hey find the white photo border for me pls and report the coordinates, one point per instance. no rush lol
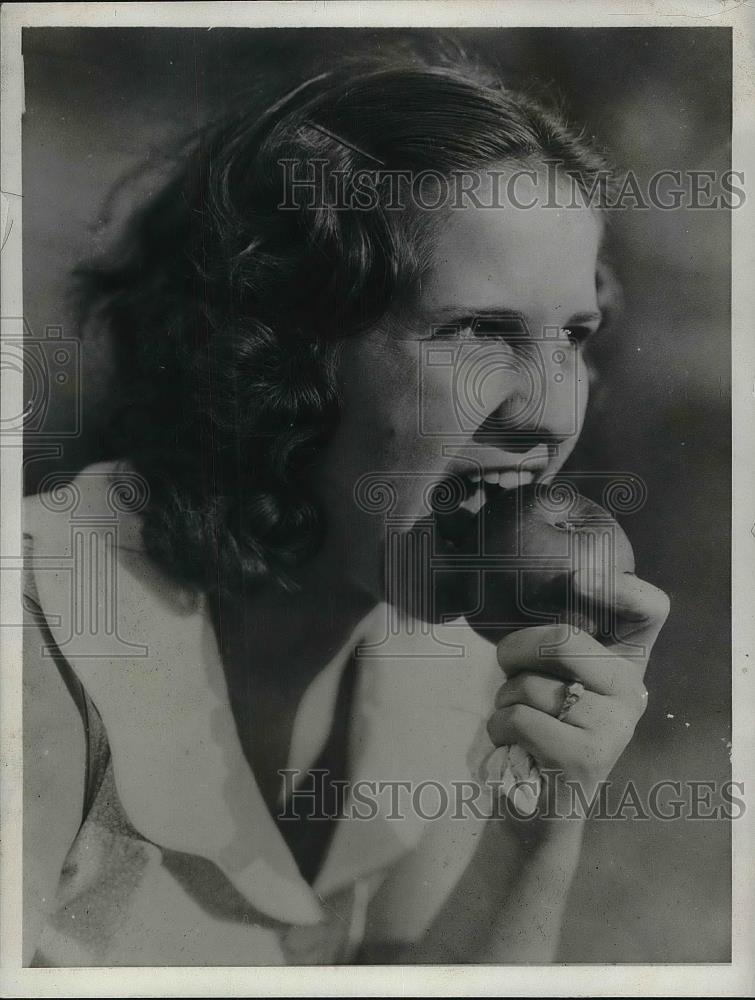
(735, 979)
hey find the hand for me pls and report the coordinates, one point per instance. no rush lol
(539, 662)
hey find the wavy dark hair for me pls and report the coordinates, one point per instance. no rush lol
(225, 312)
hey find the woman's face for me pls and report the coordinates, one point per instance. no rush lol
(485, 383)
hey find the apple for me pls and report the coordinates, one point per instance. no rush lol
(512, 566)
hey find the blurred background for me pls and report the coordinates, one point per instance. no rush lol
(98, 101)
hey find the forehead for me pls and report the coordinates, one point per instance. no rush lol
(535, 260)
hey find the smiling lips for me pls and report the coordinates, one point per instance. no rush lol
(505, 470)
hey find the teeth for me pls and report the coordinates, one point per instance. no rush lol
(476, 502)
(513, 480)
(510, 479)
(476, 498)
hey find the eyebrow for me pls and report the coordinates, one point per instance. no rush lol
(585, 317)
(455, 314)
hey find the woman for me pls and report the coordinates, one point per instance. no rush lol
(222, 665)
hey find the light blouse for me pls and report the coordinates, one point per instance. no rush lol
(178, 860)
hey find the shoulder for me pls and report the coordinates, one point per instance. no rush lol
(73, 531)
(64, 566)
(54, 759)
(100, 493)
(54, 737)
(53, 730)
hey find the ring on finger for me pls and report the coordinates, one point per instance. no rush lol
(572, 693)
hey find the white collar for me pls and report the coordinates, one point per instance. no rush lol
(148, 657)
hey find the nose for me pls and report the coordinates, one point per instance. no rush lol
(547, 401)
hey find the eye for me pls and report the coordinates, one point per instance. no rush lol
(499, 327)
(508, 328)
(579, 335)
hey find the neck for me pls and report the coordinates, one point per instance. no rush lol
(292, 636)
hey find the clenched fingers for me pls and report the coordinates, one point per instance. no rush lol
(553, 744)
(546, 694)
(569, 654)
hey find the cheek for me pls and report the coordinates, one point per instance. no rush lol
(381, 419)
(383, 432)
(463, 385)
(583, 388)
